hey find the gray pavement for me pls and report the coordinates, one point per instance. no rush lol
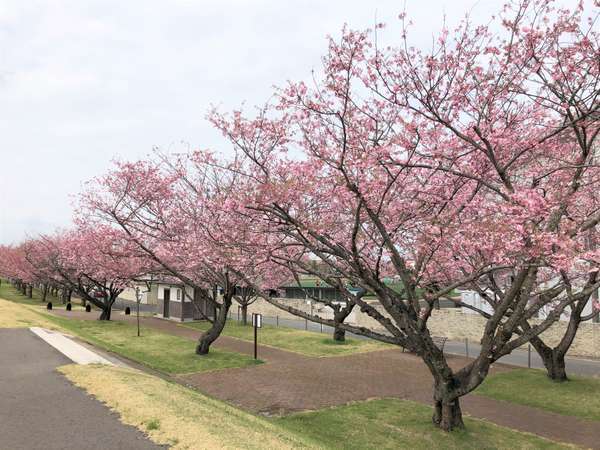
(575, 366)
(41, 409)
(520, 358)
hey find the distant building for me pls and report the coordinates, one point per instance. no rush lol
(168, 299)
(473, 298)
(315, 288)
(310, 288)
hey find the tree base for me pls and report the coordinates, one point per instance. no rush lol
(206, 340)
(339, 335)
(448, 416)
(553, 359)
(556, 368)
(202, 348)
(558, 376)
(105, 315)
(244, 315)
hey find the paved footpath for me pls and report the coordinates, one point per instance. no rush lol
(290, 382)
(41, 409)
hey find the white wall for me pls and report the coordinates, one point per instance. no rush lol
(129, 294)
(474, 299)
(176, 293)
(323, 311)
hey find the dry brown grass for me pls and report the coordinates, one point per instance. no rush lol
(13, 315)
(174, 415)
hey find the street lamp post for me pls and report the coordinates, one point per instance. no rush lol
(256, 323)
(138, 299)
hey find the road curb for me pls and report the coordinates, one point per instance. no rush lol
(72, 350)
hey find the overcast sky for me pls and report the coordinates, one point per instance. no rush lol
(84, 82)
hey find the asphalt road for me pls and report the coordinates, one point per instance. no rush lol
(41, 409)
(521, 358)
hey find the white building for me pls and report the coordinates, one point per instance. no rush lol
(474, 299)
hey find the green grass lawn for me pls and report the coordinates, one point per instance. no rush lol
(174, 415)
(8, 292)
(161, 351)
(579, 397)
(300, 341)
(393, 423)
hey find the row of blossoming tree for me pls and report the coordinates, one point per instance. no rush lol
(471, 165)
(95, 264)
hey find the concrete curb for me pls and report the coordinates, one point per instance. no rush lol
(72, 350)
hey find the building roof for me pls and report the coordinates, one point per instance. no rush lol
(314, 282)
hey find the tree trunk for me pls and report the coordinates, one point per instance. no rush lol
(30, 291)
(244, 314)
(553, 359)
(447, 414)
(106, 309)
(215, 330)
(106, 304)
(339, 335)
(105, 315)
(44, 292)
(557, 371)
(446, 405)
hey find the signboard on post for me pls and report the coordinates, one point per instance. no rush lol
(256, 323)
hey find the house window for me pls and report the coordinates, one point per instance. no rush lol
(178, 294)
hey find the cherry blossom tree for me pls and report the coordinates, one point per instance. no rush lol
(470, 165)
(96, 263)
(25, 265)
(14, 266)
(175, 210)
(518, 114)
(34, 253)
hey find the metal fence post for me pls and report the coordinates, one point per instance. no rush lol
(321, 327)
(277, 320)
(306, 324)
(467, 346)
(529, 356)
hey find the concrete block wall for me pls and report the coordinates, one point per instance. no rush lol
(451, 323)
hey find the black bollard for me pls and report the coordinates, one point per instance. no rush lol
(68, 307)
(127, 311)
(49, 305)
(88, 308)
